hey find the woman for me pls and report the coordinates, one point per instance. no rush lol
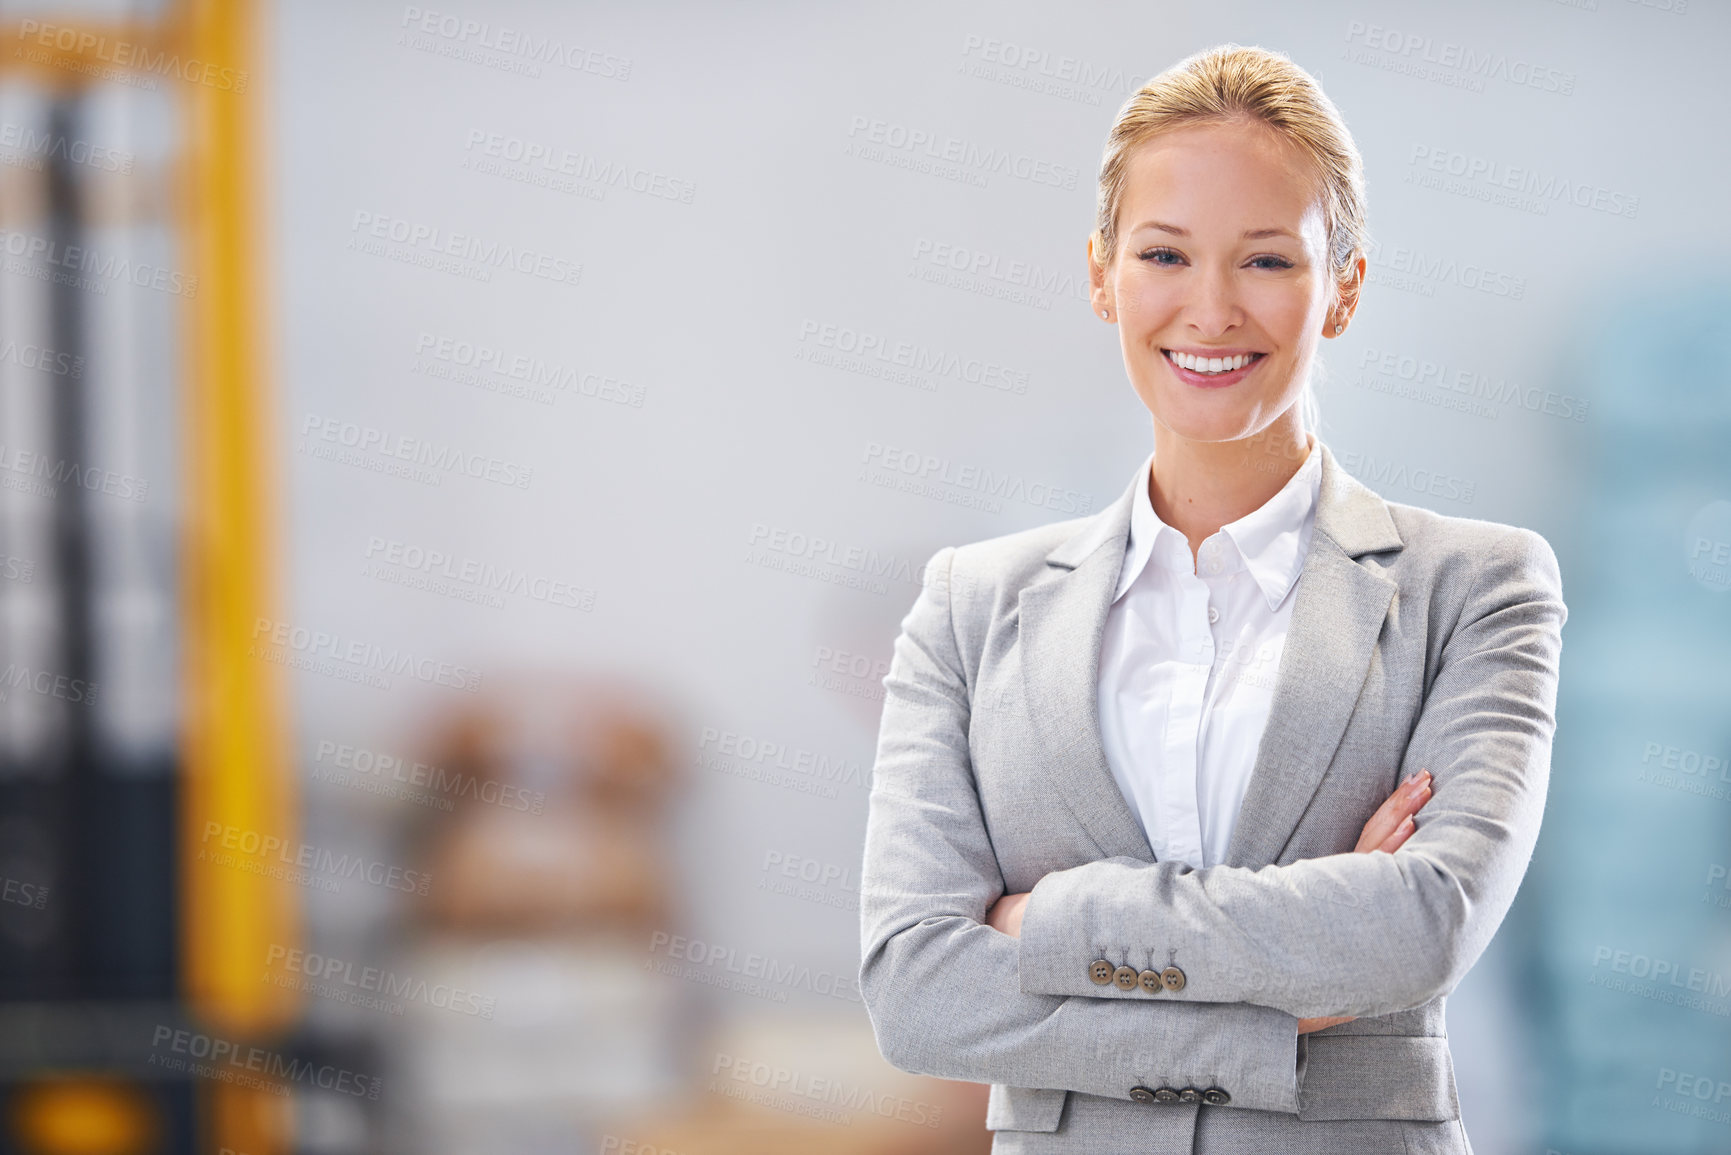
(1142, 849)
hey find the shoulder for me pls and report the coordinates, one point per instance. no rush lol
(972, 591)
(1468, 554)
(1007, 562)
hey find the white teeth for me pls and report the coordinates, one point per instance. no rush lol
(1210, 364)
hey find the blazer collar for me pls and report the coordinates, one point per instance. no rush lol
(1350, 513)
(1337, 615)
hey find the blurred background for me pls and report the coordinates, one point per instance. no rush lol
(455, 516)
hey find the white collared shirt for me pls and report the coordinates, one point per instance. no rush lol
(1189, 658)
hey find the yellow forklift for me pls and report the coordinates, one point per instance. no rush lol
(137, 518)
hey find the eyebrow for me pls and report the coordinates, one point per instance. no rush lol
(1249, 234)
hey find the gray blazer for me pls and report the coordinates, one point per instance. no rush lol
(1417, 641)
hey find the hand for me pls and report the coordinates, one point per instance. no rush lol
(1006, 914)
(1390, 826)
(1392, 823)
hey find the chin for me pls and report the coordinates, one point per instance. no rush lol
(1212, 415)
(1203, 418)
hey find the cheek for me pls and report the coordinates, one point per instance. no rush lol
(1287, 320)
(1142, 297)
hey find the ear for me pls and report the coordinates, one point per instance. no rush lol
(1099, 290)
(1349, 294)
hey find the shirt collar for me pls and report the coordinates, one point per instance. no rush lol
(1270, 541)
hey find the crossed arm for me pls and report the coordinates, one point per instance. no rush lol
(951, 995)
(1387, 830)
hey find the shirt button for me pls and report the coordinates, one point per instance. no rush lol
(1213, 614)
(1213, 566)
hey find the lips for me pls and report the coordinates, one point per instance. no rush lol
(1207, 380)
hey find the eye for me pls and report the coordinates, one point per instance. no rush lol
(1160, 255)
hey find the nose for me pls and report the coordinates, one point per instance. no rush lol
(1213, 309)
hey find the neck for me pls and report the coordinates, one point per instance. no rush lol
(1198, 486)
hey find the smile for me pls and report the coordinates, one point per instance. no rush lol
(1211, 366)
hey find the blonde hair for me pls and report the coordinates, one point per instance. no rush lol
(1232, 82)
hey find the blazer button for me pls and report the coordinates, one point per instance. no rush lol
(1150, 981)
(1141, 1094)
(1215, 1097)
(1190, 1095)
(1125, 978)
(1166, 1095)
(1172, 979)
(1100, 971)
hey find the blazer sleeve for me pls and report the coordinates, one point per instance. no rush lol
(942, 988)
(1360, 934)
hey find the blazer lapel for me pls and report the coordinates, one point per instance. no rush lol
(1062, 623)
(1336, 619)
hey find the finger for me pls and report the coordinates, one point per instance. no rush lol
(1406, 800)
(1401, 833)
(1396, 807)
(1411, 795)
(1381, 824)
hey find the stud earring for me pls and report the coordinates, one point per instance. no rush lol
(1103, 316)
(1338, 329)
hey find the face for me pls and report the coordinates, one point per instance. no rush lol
(1221, 254)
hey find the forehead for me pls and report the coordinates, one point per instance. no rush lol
(1231, 176)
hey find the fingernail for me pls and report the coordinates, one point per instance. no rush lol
(1407, 781)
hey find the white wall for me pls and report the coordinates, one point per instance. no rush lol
(705, 309)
